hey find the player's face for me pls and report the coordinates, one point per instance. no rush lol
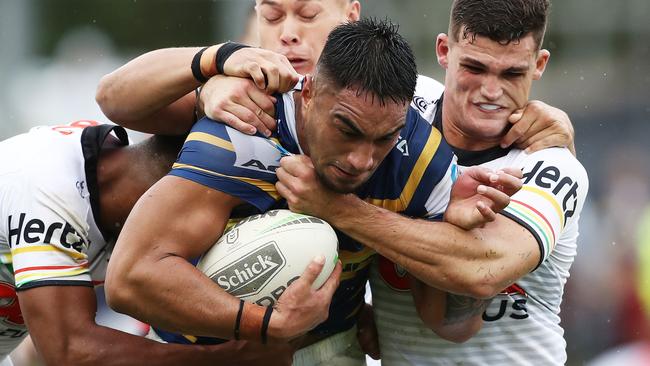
(298, 29)
(348, 135)
(487, 81)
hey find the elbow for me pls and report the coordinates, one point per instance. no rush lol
(460, 333)
(105, 96)
(120, 288)
(483, 290)
(73, 350)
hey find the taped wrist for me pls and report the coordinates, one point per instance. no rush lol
(225, 51)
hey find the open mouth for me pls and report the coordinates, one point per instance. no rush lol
(488, 107)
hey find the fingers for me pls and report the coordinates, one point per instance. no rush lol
(313, 270)
(507, 183)
(255, 114)
(332, 282)
(521, 123)
(256, 73)
(485, 211)
(236, 123)
(499, 200)
(515, 172)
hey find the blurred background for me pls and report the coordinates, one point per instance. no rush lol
(53, 52)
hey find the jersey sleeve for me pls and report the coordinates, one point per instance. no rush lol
(226, 160)
(554, 190)
(47, 235)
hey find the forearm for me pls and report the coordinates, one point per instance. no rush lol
(154, 92)
(169, 286)
(479, 262)
(97, 345)
(455, 318)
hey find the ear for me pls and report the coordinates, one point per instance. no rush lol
(354, 11)
(540, 63)
(307, 90)
(442, 49)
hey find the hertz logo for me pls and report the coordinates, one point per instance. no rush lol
(248, 275)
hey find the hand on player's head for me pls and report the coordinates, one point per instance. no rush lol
(271, 72)
(538, 126)
(239, 103)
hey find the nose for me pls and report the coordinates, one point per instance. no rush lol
(362, 159)
(491, 88)
(289, 34)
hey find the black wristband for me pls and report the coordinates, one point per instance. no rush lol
(238, 320)
(225, 51)
(265, 323)
(196, 66)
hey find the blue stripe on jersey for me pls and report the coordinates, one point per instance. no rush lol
(415, 165)
(208, 158)
(283, 134)
(434, 173)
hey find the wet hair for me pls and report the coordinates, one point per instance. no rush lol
(502, 21)
(373, 57)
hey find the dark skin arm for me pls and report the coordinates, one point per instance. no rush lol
(61, 322)
(150, 276)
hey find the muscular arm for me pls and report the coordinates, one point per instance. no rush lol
(452, 317)
(149, 276)
(153, 93)
(478, 263)
(61, 321)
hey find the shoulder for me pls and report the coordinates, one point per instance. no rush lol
(427, 91)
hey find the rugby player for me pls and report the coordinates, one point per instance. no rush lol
(348, 121)
(65, 192)
(155, 92)
(503, 296)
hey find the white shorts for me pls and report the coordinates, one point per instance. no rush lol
(338, 350)
(6, 361)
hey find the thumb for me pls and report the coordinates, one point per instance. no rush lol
(516, 116)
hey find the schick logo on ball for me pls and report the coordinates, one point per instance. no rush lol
(249, 274)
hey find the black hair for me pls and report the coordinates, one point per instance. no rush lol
(503, 21)
(372, 56)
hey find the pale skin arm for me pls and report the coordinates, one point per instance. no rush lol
(150, 278)
(155, 92)
(478, 262)
(61, 321)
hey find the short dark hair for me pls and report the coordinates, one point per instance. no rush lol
(372, 56)
(503, 21)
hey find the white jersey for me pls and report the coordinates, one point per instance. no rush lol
(48, 205)
(522, 325)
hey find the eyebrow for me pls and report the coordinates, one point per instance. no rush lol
(275, 3)
(353, 126)
(474, 62)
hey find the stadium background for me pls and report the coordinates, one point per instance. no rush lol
(54, 52)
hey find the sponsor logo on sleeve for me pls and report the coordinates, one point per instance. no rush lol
(550, 178)
(24, 231)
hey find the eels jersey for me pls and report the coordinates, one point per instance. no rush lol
(415, 179)
(522, 324)
(48, 205)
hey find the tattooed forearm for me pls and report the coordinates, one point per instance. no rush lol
(460, 308)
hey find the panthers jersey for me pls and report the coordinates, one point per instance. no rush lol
(48, 206)
(522, 324)
(415, 179)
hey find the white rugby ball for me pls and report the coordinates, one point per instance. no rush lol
(260, 256)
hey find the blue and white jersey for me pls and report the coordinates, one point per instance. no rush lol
(415, 179)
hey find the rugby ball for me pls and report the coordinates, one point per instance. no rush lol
(260, 256)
